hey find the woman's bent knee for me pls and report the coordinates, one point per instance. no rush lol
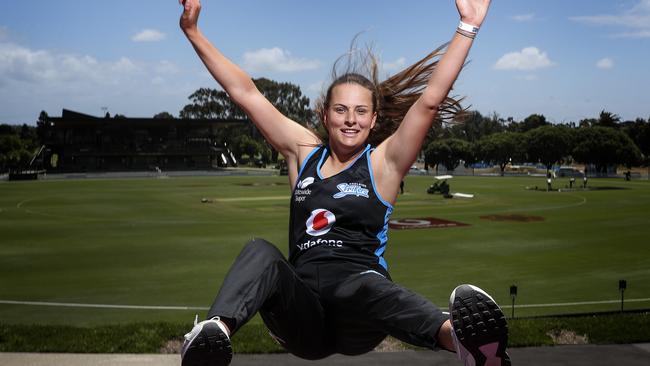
(259, 252)
(262, 247)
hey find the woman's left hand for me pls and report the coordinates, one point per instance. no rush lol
(473, 12)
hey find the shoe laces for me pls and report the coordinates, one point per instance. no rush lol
(198, 326)
(194, 330)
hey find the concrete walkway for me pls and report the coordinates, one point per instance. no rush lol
(589, 355)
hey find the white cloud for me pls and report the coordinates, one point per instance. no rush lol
(605, 63)
(278, 60)
(32, 80)
(396, 65)
(148, 35)
(636, 18)
(23, 65)
(60, 73)
(529, 58)
(523, 17)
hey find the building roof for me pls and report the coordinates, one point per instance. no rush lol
(75, 119)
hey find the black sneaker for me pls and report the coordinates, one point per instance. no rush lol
(479, 328)
(207, 344)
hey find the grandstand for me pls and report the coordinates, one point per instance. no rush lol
(77, 142)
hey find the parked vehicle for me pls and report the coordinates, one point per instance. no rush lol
(567, 171)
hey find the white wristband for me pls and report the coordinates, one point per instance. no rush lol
(468, 27)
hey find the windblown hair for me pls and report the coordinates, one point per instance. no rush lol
(392, 97)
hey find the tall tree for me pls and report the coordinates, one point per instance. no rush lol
(213, 104)
(472, 126)
(501, 148)
(286, 97)
(548, 144)
(163, 115)
(529, 123)
(42, 126)
(628, 153)
(588, 122)
(448, 152)
(605, 119)
(245, 145)
(603, 147)
(608, 119)
(639, 132)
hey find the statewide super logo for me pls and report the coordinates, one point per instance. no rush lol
(302, 191)
(305, 182)
(320, 222)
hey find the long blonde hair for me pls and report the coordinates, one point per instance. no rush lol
(392, 97)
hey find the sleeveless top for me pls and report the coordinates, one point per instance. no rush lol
(341, 218)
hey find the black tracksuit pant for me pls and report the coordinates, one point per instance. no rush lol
(316, 310)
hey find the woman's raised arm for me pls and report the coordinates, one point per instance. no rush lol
(286, 136)
(400, 150)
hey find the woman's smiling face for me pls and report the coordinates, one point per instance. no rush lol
(349, 116)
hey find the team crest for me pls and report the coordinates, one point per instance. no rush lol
(351, 189)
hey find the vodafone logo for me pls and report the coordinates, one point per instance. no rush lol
(320, 222)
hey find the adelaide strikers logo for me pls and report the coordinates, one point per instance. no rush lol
(320, 222)
(351, 189)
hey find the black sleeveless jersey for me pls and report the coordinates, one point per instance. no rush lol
(340, 218)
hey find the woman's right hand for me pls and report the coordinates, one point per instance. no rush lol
(473, 11)
(190, 18)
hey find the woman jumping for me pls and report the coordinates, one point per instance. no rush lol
(334, 293)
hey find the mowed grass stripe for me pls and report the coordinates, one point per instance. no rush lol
(167, 307)
(252, 199)
(103, 306)
(152, 241)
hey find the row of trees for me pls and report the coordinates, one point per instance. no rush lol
(602, 141)
(472, 137)
(547, 144)
(472, 125)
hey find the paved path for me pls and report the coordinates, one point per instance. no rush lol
(589, 355)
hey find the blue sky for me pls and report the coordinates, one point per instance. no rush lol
(565, 59)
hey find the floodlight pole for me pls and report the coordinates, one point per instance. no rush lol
(622, 285)
(513, 295)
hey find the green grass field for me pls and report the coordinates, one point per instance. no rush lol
(152, 242)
